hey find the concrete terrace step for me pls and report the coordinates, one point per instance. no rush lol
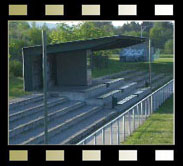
(109, 94)
(125, 87)
(142, 92)
(81, 128)
(99, 121)
(161, 82)
(40, 120)
(135, 74)
(126, 102)
(113, 76)
(21, 102)
(153, 79)
(26, 119)
(118, 92)
(52, 102)
(95, 90)
(114, 82)
(66, 125)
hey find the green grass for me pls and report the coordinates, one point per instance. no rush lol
(157, 129)
(166, 55)
(161, 65)
(16, 87)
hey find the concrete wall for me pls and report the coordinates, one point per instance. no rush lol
(37, 79)
(69, 69)
(51, 71)
(135, 53)
(72, 69)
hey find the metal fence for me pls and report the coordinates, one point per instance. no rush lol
(117, 130)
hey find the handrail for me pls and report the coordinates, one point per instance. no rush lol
(124, 113)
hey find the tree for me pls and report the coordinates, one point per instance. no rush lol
(160, 33)
(168, 48)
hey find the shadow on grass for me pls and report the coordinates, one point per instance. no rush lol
(167, 107)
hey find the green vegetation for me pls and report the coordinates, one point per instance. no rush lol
(161, 65)
(166, 55)
(16, 87)
(157, 129)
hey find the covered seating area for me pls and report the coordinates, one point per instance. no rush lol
(69, 64)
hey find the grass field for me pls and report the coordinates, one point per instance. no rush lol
(157, 130)
(16, 87)
(161, 65)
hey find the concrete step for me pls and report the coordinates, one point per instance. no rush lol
(39, 120)
(36, 108)
(112, 83)
(161, 82)
(113, 76)
(99, 121)
(134, 75)
(142, 92)
(22, 102)
(95, 90)
(154, 78)
(53, 131)
(127, 89)
(83, 128)
(119, 92)
(26, 119)
(107, 97)
(126, 102)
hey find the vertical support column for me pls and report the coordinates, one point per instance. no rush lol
(129, 122)
(95, 139)
(118, 133)
(149, 62)
(141, 109)
(103, 136)
(133, 119)
(138, 112)
(151, 106)
(89, 66)
(45, 87)
(111, 136)
(145, 107)
(124, 130)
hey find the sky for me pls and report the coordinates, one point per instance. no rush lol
(115, 23)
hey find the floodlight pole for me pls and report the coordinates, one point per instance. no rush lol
(44, 64)
(149, 62)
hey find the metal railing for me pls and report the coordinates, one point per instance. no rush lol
(117, 130)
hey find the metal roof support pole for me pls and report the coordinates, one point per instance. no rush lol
(149, 62)
(44, 64)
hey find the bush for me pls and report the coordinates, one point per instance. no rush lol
(15, 68)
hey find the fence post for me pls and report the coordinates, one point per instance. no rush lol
(145, 106)
(141, 109)
(111, 136)
(138, 112)
(103, 136)
(129, 122)
(124, 127)
(151, 106)
(95, 140)
(133, 119)
(118, 136)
